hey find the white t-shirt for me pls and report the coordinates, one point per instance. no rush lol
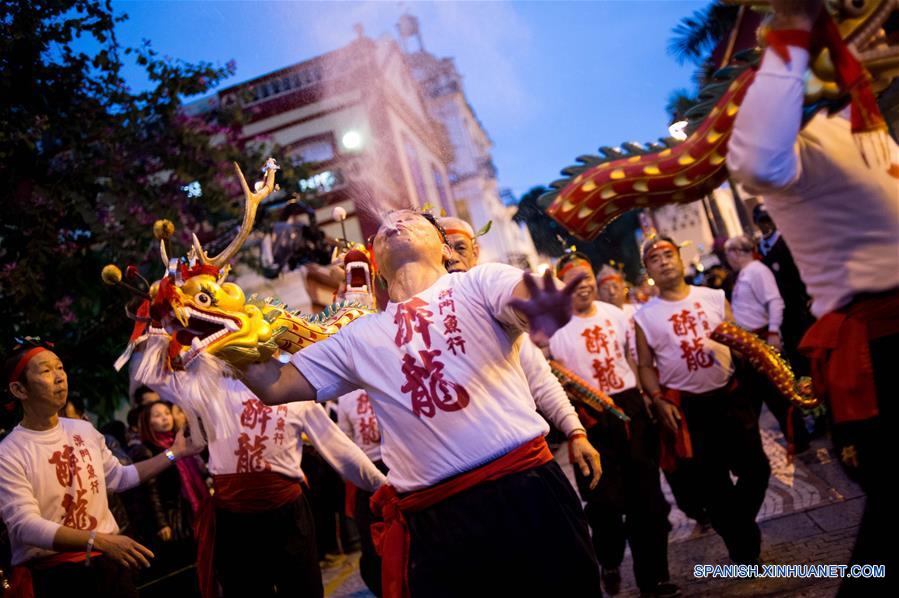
(440, 369)
(251, 436)
(756, 301)
(593, 347)
(57, 477)
(356, 417)
(678, 333)
(839, 216)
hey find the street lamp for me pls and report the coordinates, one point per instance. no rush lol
(351, 140)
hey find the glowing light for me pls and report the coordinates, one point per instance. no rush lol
(676, 130)
(542, 268)
(351, 140)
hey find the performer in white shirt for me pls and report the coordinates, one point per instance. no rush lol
(54, 474)
(611, 288)
(459, 428)
(627, 506)
(838, 210)
(549, 396)
(255, 454)
(690, 378)
(759, 308)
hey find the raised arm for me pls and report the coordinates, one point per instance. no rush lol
(762, 151)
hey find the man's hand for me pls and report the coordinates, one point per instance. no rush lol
(775, 341)
(586, 458)
(124, 550)
(547, 309)
(165, 534)
(668, 414)
(795, 14)
(184, 446)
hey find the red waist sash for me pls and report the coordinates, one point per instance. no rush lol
(20, 581)
(391, 537)
(837, 347)
(242, 493)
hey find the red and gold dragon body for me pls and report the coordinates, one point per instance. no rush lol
(600, 189)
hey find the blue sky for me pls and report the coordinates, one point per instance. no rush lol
(549, 80)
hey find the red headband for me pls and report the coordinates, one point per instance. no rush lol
(659, 245)
(607, 278)
(458, 231)
(575, 263)
(23, 362)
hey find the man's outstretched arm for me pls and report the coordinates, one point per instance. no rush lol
(276, 383)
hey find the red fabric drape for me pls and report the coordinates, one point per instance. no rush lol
(837, 346)
(20, 581)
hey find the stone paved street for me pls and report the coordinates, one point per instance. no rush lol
(810, 516)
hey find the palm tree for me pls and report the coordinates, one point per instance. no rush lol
(696, 36)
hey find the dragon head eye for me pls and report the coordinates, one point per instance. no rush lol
(854, 8)
(203, 299)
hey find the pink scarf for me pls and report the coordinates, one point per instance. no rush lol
(192, 485)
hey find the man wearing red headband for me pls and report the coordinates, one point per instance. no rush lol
(475, 501)
(627, 507)
(611, 288)
(54, 473)
(833, 189)
(549, 396)
(690, 378)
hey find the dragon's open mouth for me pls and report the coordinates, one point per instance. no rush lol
(870, 41)
(202, 330)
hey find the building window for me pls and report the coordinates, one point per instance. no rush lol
(314, 149)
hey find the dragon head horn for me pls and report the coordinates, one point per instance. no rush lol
(252, 201)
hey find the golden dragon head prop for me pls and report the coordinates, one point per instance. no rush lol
(202, 313)
(599, 189)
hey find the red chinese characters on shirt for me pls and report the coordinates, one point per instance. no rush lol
(424, 380)
(412, 317)
(255, 412)
(604, 344)
(369, 433)
(694, 326)
(68, 472)
(451, 331)
(607, 378)
(250, 456)
(76, 514)
(251, 449)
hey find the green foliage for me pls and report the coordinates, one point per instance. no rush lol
(616, 242)
(87, 165)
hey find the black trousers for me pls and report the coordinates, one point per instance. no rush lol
(871, 444)
(271, 553)
(628, 505)
(524, 534)
(724, 430)
(104, 578)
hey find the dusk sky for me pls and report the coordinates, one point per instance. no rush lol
(548, 80)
